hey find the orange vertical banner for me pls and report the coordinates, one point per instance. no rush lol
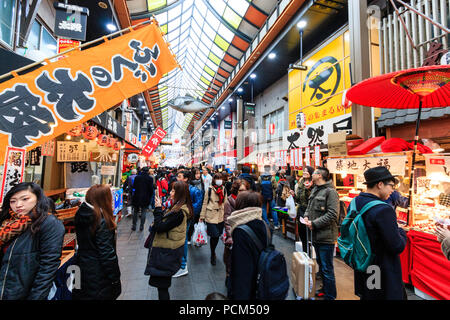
(51, 100)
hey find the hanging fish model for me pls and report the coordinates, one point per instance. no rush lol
(188, 104)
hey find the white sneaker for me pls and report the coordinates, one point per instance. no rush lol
(276, 227)
(189, 243)
(181, 272)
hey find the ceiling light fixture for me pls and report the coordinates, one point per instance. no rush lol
(301, 24)
(240, 90)
(253, 76)
(111, 27)
(272, 55)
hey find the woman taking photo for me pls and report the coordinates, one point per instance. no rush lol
(31, 243)
(213, 211)
(168, 235)
(96, 255)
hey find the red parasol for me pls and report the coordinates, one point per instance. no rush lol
(425, 87)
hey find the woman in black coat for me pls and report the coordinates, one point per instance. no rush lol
(96, 255)
(167, 238)
(31, 250)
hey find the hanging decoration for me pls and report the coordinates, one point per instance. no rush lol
(90, 132)
(103, 140)
(77, 131)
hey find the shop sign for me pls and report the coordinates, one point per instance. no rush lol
(296, 157)
(133, 158)
(153, 142)
(70, 21)
(317, 156)
(395, 164)
(249, 108)
(51, 100)
(68, 151)
(307, 156)
(48, 148)
(228, 124)
(110, 124)
(316, 134)
(33, 157)
(317, 92)
(13, 169)
(65, 45)
(438, 166)
(103, 156)
(108, 170)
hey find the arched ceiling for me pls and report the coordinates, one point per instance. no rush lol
(208, 38)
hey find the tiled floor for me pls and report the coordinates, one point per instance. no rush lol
(203, 278)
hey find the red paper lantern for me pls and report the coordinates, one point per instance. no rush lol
(77, 131)
(177, 141)
(111, 142)
(90, 132)
(117, 145)
(103, 140)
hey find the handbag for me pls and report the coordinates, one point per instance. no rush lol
(149, 241)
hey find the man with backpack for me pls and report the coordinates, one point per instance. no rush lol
(268, 185)
(247, 176)
(382, 238)
(258, 271)
(321, 217)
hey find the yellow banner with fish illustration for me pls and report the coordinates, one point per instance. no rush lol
(318, 91)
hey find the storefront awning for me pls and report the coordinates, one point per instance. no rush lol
(251, 158)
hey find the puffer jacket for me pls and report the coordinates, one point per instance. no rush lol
(323, 212)
(196, 199)
(302, 194)
(97, 258)
(167, 248)
(30, 263)
(212, 212)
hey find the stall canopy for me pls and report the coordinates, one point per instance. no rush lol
(251, 158)
(45, 103)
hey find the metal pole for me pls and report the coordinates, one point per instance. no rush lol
(301, 47)
(411, 176)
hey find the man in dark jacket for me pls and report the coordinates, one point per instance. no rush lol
(387, 240)
(143, 191)
(321, 217)
(246, 175)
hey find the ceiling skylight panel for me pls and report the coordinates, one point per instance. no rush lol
(161, 18)
(225, 33)
(209, 31)
(232, 17)
(174, 24)
(212, 20)
(197, 16)
(155, 4)
(201, 7)
(218, 5)
(217, 51)
(203, 48)
(240, 6)
(174, 12)
(211, 64)
(221, 43)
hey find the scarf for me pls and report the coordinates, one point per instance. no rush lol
(240, 217)
(234, 196)
(13, 227)
(219, 192)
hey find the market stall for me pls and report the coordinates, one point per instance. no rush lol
(423, 264)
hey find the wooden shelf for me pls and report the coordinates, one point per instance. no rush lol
(50, 193)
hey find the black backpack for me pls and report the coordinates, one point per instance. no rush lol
(266, 187)
(272, 282)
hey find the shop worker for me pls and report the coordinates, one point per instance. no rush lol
(321, 217)
(31, 243)
(387, 240)
(143, 191)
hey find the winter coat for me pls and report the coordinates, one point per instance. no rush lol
(198, 184)
(230, 206)
(387, 241)
(197, 199)
(30, 263)
(244, 253)
(143, 190)
(212, 212)
(323, 212)
(302, 195)
(97, 258)
(272, 180)
(167, 248)
(280, 202)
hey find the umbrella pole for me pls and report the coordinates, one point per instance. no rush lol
(411, 176)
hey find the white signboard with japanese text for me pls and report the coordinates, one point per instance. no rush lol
(108, 170)
(13, 169)
(395, 164)
(438, 166)
(72, 151)
(317, 133)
